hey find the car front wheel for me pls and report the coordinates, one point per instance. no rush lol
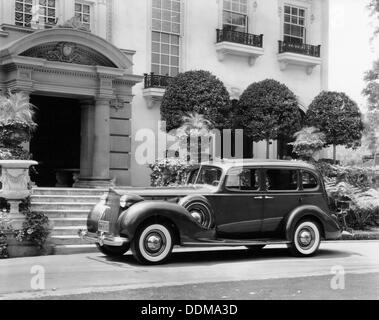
(306, 239)
(153, 244)
(113, 251)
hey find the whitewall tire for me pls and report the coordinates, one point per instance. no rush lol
(306, 239)
(153, 244)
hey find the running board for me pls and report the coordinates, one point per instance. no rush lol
(232, 243)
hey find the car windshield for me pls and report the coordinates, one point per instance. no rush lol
(208, 175)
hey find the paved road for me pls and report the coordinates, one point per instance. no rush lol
(201, 274)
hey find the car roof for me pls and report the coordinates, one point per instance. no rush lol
(229, 163)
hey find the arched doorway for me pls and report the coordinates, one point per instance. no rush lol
(82, 77)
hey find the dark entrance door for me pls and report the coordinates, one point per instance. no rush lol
(56, 142)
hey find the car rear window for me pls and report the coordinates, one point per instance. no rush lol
(309, 181)
(242, 179)
(281, 179)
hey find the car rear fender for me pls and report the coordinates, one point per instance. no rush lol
(134, 217)
(327, 222)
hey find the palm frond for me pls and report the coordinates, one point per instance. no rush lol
(16, 108)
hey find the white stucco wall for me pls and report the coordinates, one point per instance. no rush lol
(132, 29)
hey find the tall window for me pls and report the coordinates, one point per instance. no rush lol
(235, 15)
(47, 12)
(166, 37)
(24, 13)
(294, 25)
(83, 13)
(42, 12)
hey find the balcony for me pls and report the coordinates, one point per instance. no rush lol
(239, 44)
(299, 54)
(154, 88)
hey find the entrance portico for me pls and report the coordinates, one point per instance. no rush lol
(65, 62)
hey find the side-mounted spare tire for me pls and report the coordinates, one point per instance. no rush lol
(200, 209)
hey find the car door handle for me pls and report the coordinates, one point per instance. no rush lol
(259, 198)
(269, 198)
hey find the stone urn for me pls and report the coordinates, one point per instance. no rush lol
(15, 180)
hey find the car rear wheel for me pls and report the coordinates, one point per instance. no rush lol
(153, 244)
(306, 239)
(113, 251)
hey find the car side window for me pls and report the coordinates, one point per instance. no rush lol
(309, 181)
(281, 180)
(242, 179)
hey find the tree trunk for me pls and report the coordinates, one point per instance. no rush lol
(334, 153)
(268, 149)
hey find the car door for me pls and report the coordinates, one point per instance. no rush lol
(281, 196)
(240, 204)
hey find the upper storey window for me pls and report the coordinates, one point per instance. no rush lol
(42, 12)
(83, 13)
(235, 15)
(294, 25)
(166, 19)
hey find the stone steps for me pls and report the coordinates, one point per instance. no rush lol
(68, 191)
(67, 210)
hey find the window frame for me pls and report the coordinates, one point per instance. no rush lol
(91, 6)
(35, 14)
(281, 168)
(231, 11)
(303, 26)
(259, 190)
(171, 44)
(315, 176)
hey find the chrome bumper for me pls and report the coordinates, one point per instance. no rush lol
(103, 239)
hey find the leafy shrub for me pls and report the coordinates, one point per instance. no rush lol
(363, 210)
(356, 176)
(35, 228)
(308, 141)
(169, 172)
(4, 227)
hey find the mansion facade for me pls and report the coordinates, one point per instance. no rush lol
(97, 69)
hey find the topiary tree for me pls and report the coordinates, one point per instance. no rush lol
(268, 110)
(195, 92)
(338, 117)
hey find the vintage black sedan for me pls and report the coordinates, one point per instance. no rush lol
(224, 203)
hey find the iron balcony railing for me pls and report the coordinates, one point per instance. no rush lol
(306, 49)
(156, 81)
(240, 37)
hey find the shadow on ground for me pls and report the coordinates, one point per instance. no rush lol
(213, 257)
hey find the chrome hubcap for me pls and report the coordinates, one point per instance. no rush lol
(197, 216)
(155, 243)
(306, 238)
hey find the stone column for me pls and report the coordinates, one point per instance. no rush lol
(86, 142)
(101, 144)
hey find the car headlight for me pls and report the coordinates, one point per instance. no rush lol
(123, 201)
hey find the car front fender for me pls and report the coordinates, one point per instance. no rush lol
(188, 228)
(331, 228)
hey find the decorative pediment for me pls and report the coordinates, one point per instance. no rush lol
(68, 52)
